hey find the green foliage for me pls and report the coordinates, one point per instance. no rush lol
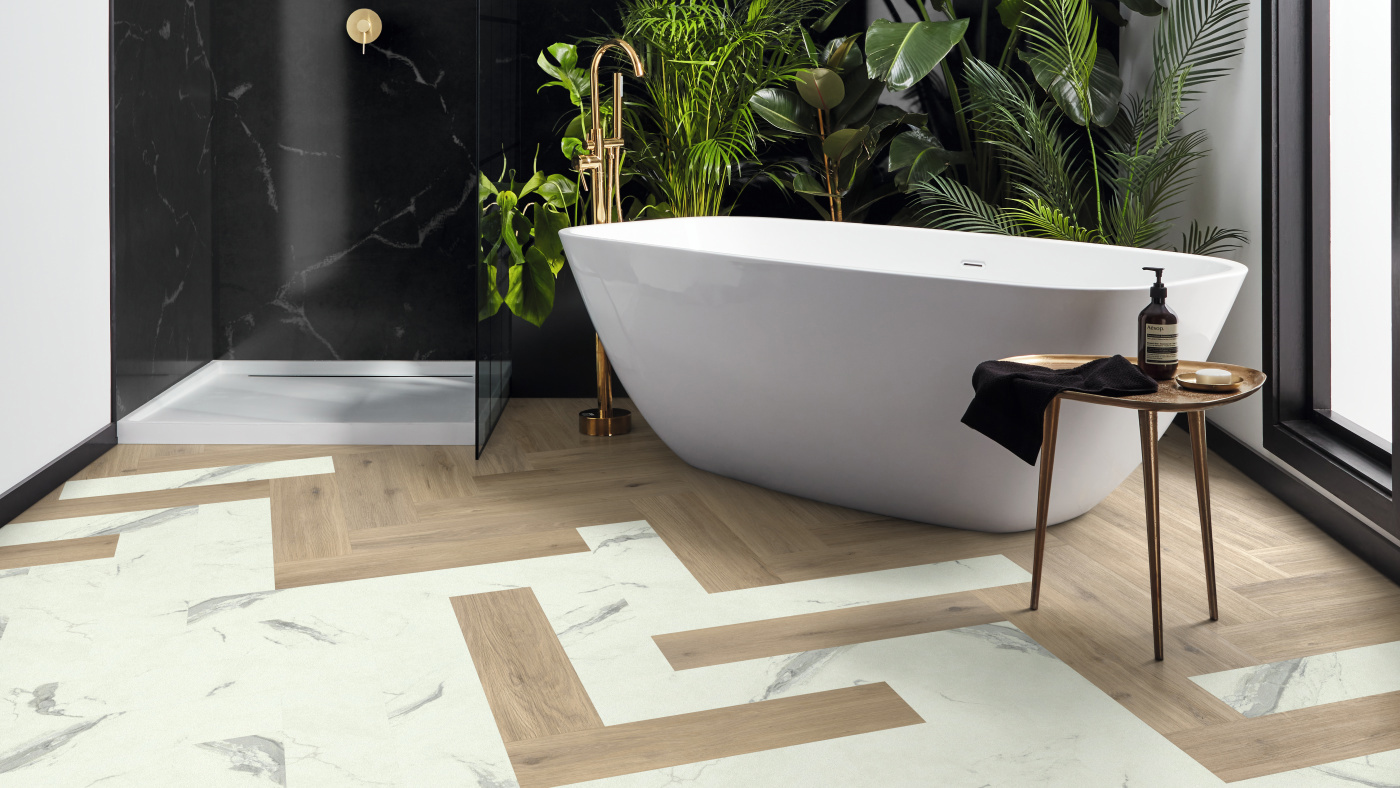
(901, 54)
(1115, 172)
(693, 130)
(521, 222)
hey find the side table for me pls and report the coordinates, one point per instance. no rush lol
(1169, 398)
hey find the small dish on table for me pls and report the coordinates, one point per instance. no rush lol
(1187, 380)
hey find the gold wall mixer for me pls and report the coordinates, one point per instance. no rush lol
(602, 162)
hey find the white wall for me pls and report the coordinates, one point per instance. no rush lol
(55, 358)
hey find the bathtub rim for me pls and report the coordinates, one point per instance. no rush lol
(600, 232)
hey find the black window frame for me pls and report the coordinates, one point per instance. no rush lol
(1349, 462)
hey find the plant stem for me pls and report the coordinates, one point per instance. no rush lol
(831, 196)
(1011, 43)
(982, 33)
(960, 116)
(1098, 195)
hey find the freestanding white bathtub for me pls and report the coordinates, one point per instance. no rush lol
(834, 361)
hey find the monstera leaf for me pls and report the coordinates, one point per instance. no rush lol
(902, 53)
(559, 192)
(784, 109)
(565, 71)
(531, 293)
(1105, 88)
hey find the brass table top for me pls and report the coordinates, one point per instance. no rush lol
(1170, 398)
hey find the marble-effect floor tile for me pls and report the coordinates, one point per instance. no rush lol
(178, 660)
(1307, 681)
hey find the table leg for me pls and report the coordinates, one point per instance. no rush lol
(1147, 425)
(1197, 421)
(1050, 429)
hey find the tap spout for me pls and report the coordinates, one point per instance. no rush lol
(596, 134)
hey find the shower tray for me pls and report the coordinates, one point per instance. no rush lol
(313, 402)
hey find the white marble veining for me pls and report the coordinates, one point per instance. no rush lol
(198, 477)
(177, 662)
(1307, 681)
(95, 525)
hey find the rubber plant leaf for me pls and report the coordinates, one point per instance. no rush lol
(1144, 7)
(531, 293)
(887, 115)
(821, 87)
(840, 144)
(1105, 88)
(918, 155)
(1010, 12)
(902, 53)
(784, 109)
(1108, 9)
(857, 108)
(559, 192)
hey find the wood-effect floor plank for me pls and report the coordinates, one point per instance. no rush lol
(705, 735)
(383, 560)
(1273, 743)
(307, 519)
(54, 509)
(530, 684)
(718, 558)
(65, 551)
(772, 637)
(373, 491)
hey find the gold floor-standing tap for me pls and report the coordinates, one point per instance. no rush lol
(603, 162)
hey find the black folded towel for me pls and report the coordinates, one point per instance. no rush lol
(1009, 406)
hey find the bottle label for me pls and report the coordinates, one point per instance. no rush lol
(1161, 343)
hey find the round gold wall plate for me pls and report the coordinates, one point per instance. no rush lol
(1187, 380)
(364, 34)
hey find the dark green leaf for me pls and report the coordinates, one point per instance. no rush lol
(886, 116)
(902, 53)
(842, 53)
(531, 293)
(1105, 88)
(857, 108)
(1108, 9)
(1144, 7)
(1010, 12)
(840, 144)
(559, 192)
(802, 183)
(784, 109)
(918, 155)
(548, 223)
(535, 182)
(821, 87)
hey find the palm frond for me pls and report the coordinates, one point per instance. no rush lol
(1213, 241)
(1039, 219)
(945, 204)
(1062, 34)
(1193, 36)
(1027, 136)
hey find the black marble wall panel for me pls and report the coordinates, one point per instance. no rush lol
(344, 186)
(162, 276)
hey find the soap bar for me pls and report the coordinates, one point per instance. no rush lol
(1213, 376)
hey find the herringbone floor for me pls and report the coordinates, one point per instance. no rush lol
(1286, 589)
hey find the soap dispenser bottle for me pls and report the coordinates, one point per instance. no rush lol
(1157, 334)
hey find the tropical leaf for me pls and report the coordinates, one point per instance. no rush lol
(548, 223)
(1062, 39)
(1010, 12)
(841, 144)
(821, 87)
(1105, 88)
(1040, 219)
(804, 183)
(945, 204)
(842, 53)
(1192, 37)
(565, 71)
(785, 109)
(531, 292)
(902, 53)
(824, 21)
(918, 155)
(559, 192)
(1213, 241)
